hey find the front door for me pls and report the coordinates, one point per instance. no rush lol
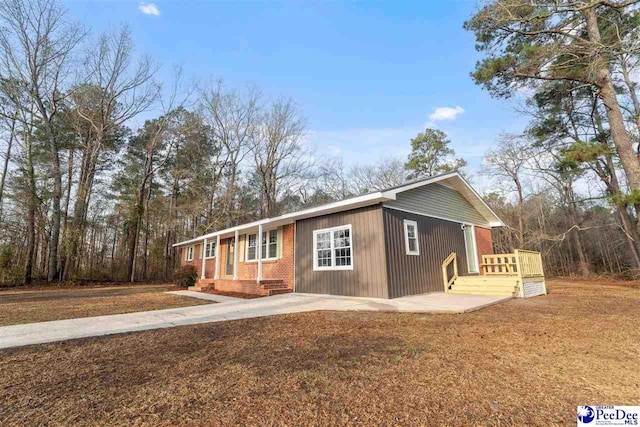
(230, 256)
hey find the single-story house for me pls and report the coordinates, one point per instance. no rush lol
(384, 244)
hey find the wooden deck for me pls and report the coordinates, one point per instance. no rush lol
(517, 274)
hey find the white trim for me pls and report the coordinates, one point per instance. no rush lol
(497, 223)
(333, 254)
(294, 254)
(475, 247)
(406, 223)
(190, 251)
(216, 275)
(421, 183)
(347, 204)
(259, 250)
(434, 216)
(215, 252)
(235, 256)
(204, 267)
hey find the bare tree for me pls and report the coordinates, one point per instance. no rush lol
(232, 117)
(36, 44)
(8, 129)
(279, 153)
(377, 176)
(507, 164)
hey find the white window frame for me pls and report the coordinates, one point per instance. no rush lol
(407, 223)
(190, 253)
(265, 253)
(475, 246)
(207, 248)
(333, 266)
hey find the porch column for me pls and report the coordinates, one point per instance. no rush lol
(204, 257)
(217, 273)
(235, 256)
(259, 251)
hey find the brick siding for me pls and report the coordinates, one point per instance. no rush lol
(280, 269)
(484, 241)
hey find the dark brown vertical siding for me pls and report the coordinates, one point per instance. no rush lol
(411, 274)
(368, 277)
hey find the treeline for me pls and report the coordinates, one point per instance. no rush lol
(84, 195)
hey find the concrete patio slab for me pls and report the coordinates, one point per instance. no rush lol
(38, 333)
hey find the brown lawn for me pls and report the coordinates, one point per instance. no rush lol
(522, 362)
(40, 306)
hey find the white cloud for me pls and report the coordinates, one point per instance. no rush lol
(149, 9)
(445, 113)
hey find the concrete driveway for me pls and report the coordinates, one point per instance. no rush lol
(231, 309)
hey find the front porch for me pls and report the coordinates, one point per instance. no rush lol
(517, 274)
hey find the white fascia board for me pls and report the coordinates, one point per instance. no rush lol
(352, 203)
(493, 219)
(411, 186)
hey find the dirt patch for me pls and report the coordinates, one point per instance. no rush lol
(523, 362)
(30, 307)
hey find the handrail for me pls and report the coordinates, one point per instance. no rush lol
(445, 275)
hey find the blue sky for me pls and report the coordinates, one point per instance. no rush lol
(366, 74)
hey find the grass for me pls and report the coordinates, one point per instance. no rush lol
(17, 307)
(522, 362)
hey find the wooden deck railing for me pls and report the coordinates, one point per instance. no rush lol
(499, 265)
(520, 263)
(450, 260)
(530, 263)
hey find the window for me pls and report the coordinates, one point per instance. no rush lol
(251, 247)
(411, 237)
(269, 246)
(210, 250)
(190, 253)
(470, 248)
(333, 248)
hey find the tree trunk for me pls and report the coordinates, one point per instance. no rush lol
(31, 216)
(520, 213)
(7, 158)
(602, 77)
(632, 93)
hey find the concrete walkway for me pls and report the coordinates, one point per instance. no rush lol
(232, 309)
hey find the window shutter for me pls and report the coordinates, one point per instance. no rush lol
(201, 250)
(241, 240)
(279, 242)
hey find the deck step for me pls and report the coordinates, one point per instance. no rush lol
(471, 288)
(487, 280)
(482, 292)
